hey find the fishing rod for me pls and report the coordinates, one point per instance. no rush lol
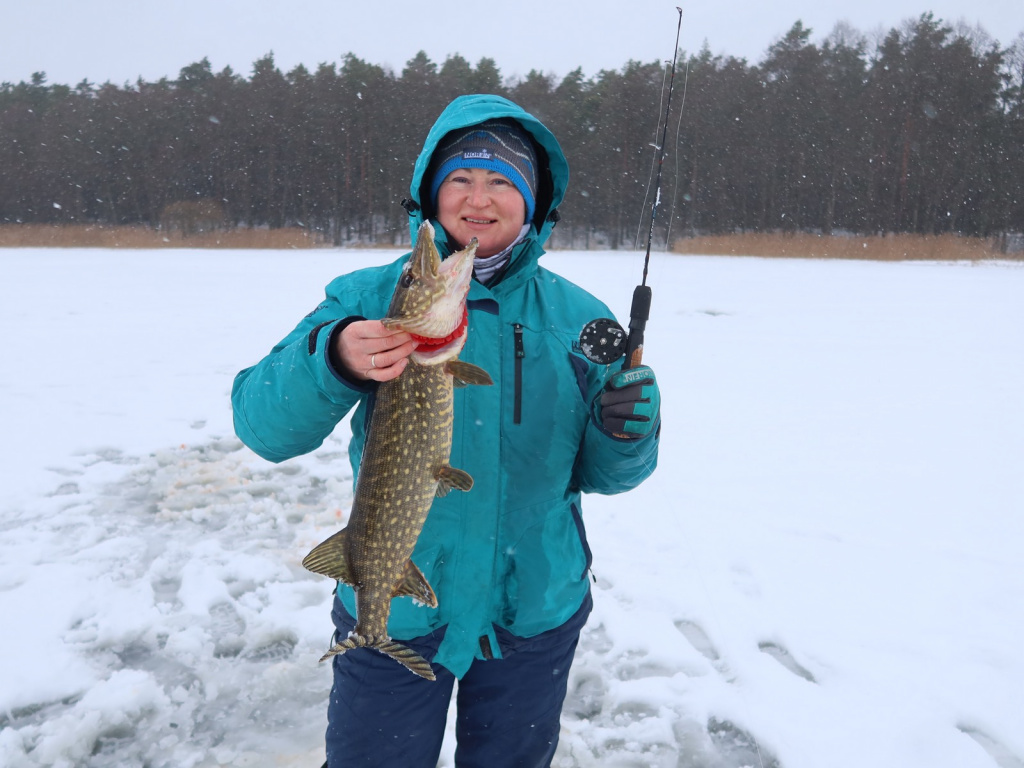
(601, 340)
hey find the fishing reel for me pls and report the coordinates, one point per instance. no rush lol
(603, 341)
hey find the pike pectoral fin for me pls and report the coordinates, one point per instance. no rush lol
(450, 477)
(407, 657)
(467, 373)
(415, 585)
(328, 558)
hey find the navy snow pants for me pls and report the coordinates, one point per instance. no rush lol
(507, 710)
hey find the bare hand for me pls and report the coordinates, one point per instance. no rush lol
(370, 351)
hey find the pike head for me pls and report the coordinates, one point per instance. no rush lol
(430, 300)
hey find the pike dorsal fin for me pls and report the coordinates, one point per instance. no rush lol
(450, 477)
(415, 585)
(328, 558)
(467, 373)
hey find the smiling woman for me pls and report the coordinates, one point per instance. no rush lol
(507, 557)
(483, 204)
(484, 185)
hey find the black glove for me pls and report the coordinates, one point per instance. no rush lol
(630, 402)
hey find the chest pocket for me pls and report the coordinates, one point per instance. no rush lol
(549, 382)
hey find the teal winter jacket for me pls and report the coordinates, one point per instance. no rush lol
(511, 553)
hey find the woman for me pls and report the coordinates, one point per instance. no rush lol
(509, 560)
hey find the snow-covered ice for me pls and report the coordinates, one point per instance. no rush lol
(824, 571)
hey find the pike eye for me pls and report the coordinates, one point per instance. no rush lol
(406, 279)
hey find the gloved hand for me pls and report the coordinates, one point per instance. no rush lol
(630, 402)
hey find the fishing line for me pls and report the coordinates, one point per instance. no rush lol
(679, 130)
(654, 162)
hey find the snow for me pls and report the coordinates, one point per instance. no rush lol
(824, 570)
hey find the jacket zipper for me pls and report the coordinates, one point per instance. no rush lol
(517, 413)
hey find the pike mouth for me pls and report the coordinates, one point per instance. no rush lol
(429, 348)
(430, 342)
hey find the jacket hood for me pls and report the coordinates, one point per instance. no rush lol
(465, 111)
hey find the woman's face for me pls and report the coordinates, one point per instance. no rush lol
(473, 202)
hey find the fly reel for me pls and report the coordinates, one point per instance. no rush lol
(603, 341)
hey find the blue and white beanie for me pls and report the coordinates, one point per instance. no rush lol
(495, 145)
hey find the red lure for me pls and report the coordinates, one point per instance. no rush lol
(426, 341)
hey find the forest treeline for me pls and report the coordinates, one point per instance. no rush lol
(921, 132)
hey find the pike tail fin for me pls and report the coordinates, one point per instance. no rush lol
(407, 657)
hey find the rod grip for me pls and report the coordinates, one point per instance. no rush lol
(639, 313)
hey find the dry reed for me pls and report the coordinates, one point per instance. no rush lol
(808, 246)
(97, 236)
(946, 247)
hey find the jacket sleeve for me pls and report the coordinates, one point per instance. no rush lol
(289, 402)
(608, 464)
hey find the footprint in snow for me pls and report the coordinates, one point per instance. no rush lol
(782, 655)
(636, 665)
(998, 751)
(227, 629)
(737, 747)
(66, 489)
(273, 649)
(698, 638)
(586, 695)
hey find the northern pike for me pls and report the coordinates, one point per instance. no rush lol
(408, 445)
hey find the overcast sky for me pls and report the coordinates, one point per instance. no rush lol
(122, 40)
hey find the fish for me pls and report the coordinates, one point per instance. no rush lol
(405, 461)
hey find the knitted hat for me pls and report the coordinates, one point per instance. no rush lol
(495, 145)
